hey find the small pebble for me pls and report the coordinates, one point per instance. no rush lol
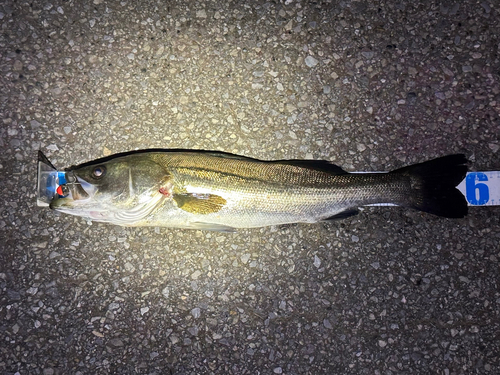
(317, 261)
(129, 267)
(195, 275)
(116, 342)
(367, 54)
(244, 258)
(196, 312)
(494, 147)
(18, 65)
(311, 61)
(201, 13)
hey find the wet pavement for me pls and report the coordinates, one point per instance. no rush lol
(368, 86)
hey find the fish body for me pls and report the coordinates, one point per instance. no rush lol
(219, 191)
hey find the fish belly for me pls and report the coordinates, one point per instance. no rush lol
(249, 210)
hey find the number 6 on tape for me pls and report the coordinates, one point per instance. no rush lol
(481, 188)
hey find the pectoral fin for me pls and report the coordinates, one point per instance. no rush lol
(199, 203)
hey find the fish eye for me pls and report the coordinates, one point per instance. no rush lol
(99, 171)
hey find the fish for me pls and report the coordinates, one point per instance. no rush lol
(211, 190)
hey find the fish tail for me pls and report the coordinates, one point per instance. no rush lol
(433, 186)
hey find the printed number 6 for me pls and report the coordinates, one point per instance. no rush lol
(477, 192)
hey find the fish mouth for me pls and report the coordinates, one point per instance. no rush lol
(78, 200)
(78, 188)
(90, 209)
(76, 192)
(84, 208)
(56, 189)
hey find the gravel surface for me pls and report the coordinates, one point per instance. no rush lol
(368, 85)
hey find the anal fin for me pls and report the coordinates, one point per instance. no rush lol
(343, 215)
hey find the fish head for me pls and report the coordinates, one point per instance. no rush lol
(121, 190)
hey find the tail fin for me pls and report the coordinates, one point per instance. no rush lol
(434, 186)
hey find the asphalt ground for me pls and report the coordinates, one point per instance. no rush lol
(371, 86)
